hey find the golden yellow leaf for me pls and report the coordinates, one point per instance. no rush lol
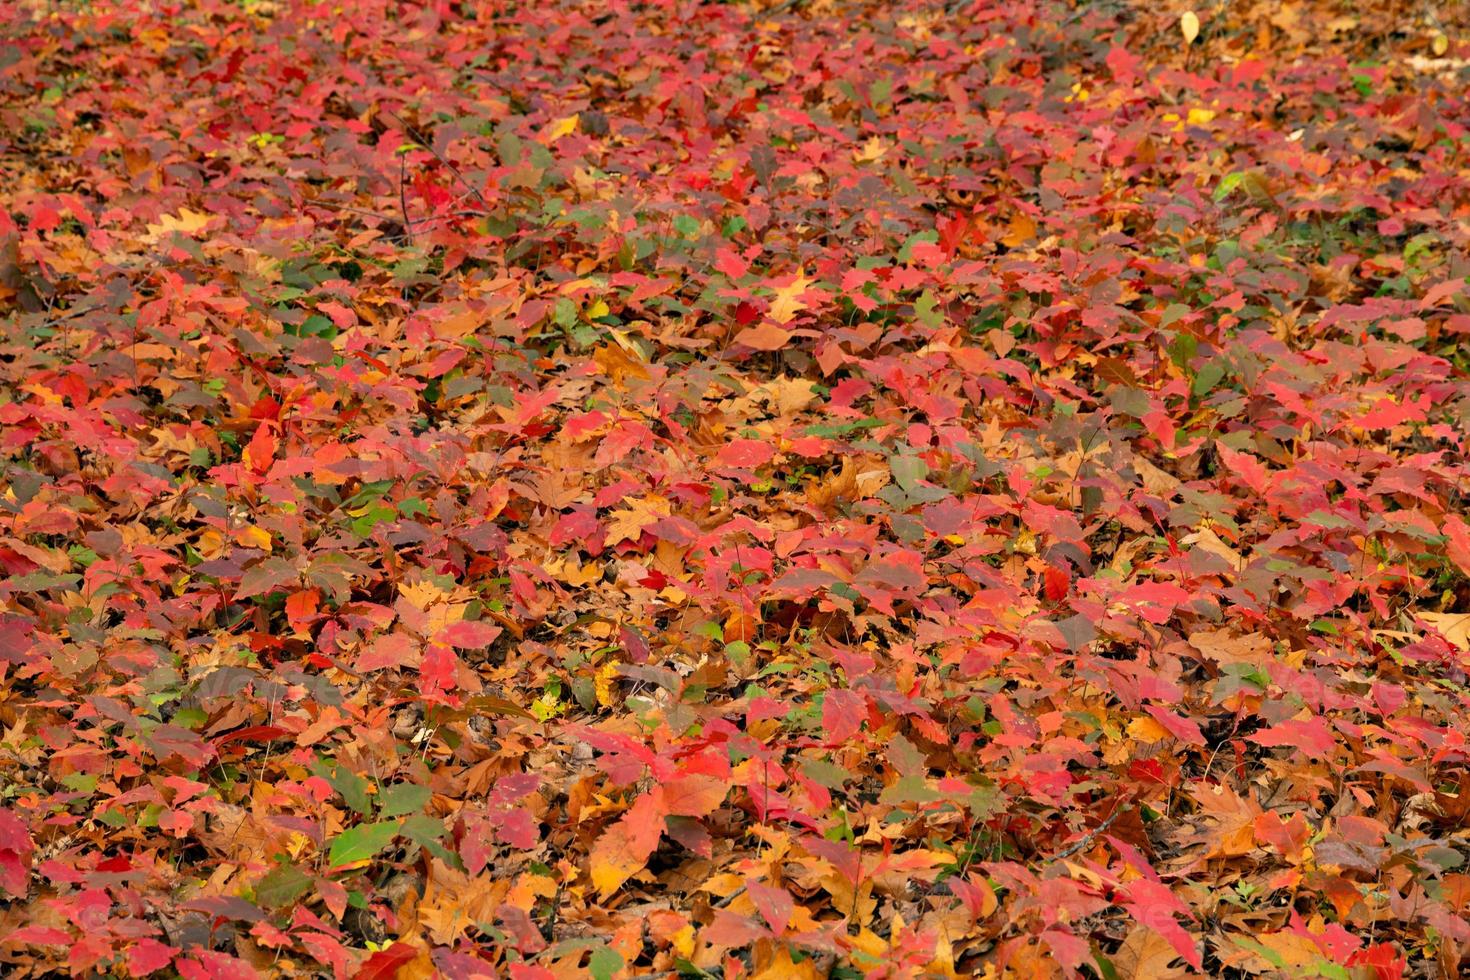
(627, 522)
(254, 537)
(603, 683)
(560, 127)
(1145, 729)
(781, 967)
(188, 222)
(872, 150)
(788, 300)
(1021, 230)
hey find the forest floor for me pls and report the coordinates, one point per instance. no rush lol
(797, 490)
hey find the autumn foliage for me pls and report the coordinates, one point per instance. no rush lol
(783, 489)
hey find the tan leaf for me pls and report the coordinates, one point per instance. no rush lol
(1223, 647)
(1454, 627)
(187, 222)
(1155, 480)
(1146, 954)
(1208, 541)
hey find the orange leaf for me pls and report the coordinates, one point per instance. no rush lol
(764, 336)
(694, 795)
(624, 848)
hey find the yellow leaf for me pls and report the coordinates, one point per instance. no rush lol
(872, 150)
(787, 396)
(560, 127)
(1189, 26)
(1439, 44)
(254, 537)
(1145, 729)
(211, 543)
(788, 302)
(604, 684)
(188, 222)
(1022, 229)
(627, 522)
(422, 594)
(782, 967)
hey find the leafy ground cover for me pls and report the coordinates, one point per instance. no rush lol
(864, 489)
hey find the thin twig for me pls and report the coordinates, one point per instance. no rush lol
(1089, 837)
(419, 138)
(728, 898)
(403, 199)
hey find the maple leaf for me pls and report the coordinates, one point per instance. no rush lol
(1454, 627)
(16, 848)
(628, 522)
(746, 453)
(765, 336)
(789, 300)
(369, 446)
(186, 222)
(625, 847)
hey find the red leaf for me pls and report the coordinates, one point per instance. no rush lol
(1152, 904)
(253, 733)
(301, 608)
(1058, 581)
(1181, 728)
(1458, 545)
(148, 956)
(384, 964)
(1312, 736)
(261, 451)
(40, 936)
(746, 453)
(774, 904)
(16, 847)
(842, 713)
(469, 634)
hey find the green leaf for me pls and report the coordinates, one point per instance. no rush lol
(605, 963)
(1208, 377)
(425, 831)
(282, 886)
(403, 798)
(908, 471)
(354, 788)
(362, 842)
